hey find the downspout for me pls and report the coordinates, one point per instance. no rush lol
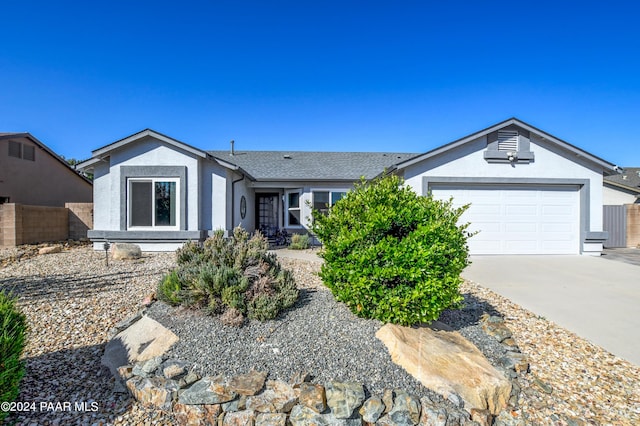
(233, 200)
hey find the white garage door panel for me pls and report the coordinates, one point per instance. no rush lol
(531, 220)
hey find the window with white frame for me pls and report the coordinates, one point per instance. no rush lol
(293, 209)
(322, 200)
(153, 203)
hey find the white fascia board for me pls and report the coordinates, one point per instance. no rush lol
(232, 166)
(107, 149)
(88, 164)
(453, 145)
(607, 166)
(571, 148)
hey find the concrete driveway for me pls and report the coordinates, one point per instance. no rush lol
(596, 298)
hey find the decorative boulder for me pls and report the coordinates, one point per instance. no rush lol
(50, 250)
(449, 364)
(125, 251)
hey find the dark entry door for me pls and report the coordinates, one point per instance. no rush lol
(267, 207)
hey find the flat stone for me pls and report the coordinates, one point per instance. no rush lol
(497, 330)
(125, 251)
(279, 397)
(304, 416)
(125, 372)
(239, 418)
(313, 396)
(543, 386)
(519, 361)
(406, 409)
(301, 415)
(153, 392)
(50, 250)
(189, 379)
(173, 369)
(143, 340)
(195, 415)
(208, 390)
(510, 344)
(447, 363)
(432, 414)
(298, 378)
(344, 398)
(237, 404)
(372, 409)
(271, 419)
(506, 418)
(387, 400)
(248, 384)
(148, 367)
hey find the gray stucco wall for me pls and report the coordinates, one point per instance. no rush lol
(136, 158)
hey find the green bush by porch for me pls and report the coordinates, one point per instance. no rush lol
(392, 255)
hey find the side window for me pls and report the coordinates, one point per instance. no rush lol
(29, 152)
(15, 149)
(293, 209)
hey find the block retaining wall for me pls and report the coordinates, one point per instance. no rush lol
(23, 224)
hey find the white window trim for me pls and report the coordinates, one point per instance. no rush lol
(329, 190)
(287, 209)
(153, 227)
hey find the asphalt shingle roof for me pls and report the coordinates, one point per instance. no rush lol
(305, 165)
(630, 177)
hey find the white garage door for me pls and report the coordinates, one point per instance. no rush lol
(517, 219)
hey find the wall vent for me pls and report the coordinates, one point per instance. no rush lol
(507, 140)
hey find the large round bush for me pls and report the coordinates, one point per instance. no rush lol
(392, 255)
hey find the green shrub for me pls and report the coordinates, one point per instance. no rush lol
(13, 330)
(233, 276)
(392, 255)
(299, 241)
(169, 288)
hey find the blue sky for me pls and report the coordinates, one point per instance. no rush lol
(337, 76)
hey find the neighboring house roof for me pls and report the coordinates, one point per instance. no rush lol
(311, 166)
(9, 135)
(628, 180)
(608, 167)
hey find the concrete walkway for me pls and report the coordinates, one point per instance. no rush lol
(598, 299)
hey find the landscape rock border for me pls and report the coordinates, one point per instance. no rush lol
(169, 385)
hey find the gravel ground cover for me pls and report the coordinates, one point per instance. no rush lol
(72, 299)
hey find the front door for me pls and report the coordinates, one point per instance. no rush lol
(267, 208)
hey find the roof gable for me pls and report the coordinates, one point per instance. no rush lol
(8, 135)
(608, 167)
(105, 150)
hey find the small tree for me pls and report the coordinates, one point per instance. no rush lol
(392, 255)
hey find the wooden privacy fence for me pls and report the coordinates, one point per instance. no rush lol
(623, 225)
(23, 224)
